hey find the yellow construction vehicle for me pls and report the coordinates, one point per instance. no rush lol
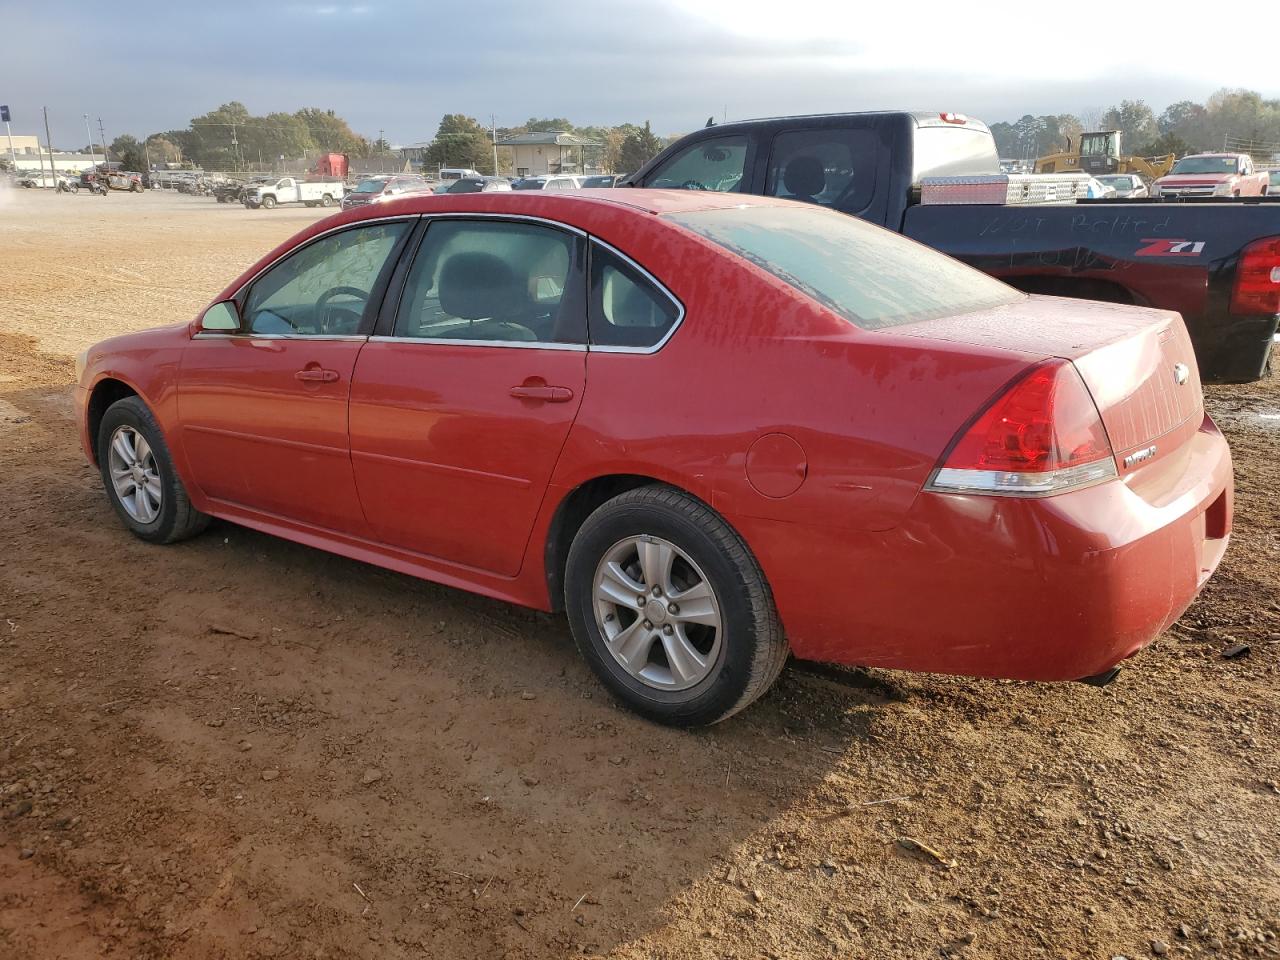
(1099, 153)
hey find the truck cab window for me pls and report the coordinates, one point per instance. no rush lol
(716, 164)
(832, 168)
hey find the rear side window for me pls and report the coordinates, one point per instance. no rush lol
(866, 274)
(832, 168)
(715, 164)
(627, 308)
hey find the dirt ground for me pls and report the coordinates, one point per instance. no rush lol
(239, 747)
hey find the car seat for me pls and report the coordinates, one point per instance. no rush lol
(805, 177)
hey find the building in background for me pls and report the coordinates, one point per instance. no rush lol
(553, 151)
(22, 145)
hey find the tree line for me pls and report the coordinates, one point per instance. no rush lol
(1236, 120)
(231, 138)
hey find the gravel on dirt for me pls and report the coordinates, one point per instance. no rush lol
(241, 747)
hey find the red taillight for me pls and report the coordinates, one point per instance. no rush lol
(1257, 287)
(1042, 435)
(953, 118)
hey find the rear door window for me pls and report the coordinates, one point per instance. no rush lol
(830, 167)
(627, 309)
(716, 164)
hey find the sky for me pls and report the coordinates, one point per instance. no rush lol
(397, 66)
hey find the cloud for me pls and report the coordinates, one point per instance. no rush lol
(399, 66)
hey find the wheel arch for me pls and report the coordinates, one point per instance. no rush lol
(572, 511)
(105, 392)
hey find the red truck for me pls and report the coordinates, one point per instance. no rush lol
(331, 165)
(1213, 175)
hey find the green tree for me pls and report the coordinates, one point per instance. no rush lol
(549, 125)
(162, 149)
(1135, 121)
(638, 147)
(128, 151)
(330, 133)
(461, 142)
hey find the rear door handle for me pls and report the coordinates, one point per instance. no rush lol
(316, 374)
(545, 393)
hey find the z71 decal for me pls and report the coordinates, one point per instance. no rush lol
(1171, 248)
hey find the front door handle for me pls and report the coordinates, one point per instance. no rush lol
(543, 392)
(316, 374)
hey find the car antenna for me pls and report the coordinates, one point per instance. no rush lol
(711, 120)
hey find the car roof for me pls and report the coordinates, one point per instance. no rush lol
(555, 204)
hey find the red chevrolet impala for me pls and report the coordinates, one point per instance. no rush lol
(711, 428)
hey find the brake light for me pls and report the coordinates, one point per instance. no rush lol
(1043, 435)
(1257, 287)
(953, 118)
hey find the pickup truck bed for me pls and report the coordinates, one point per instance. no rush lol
(1178, 255)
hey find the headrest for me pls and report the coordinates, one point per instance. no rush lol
(805, 177)
(478, 286)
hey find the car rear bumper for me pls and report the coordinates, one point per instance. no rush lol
(1057, 588)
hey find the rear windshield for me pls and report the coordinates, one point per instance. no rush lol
(869, 276)
(370, 186)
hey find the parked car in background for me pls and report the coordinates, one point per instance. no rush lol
(312, 193)
(1273, 183)
(454, 173)
(123, 180)
(1124, 184)
(475, 185)
(552, 181)
(1097, 190)
(547, 398)
(381, 188)
(1218, 263)
(38, 180)
(1212, 175)
(602, 180)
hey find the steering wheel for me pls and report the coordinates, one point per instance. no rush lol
(324, 313)
(693, 185)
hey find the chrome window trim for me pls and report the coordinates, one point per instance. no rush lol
(248, 335)
(487, 215)
(661, 287)
(451, 342)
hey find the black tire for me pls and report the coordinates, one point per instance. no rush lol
(326, 200)
(268, 203)
(176, 519)
(753, 648)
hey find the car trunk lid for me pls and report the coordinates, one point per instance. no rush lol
(1138, 363)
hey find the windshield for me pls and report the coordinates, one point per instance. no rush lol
(370, 186)
(1275, 178)
(1205, 165)
(869, 276)
(1121, 184)
(466, 186)
(598, 182)
(528, 185)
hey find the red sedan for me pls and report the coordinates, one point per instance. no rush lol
(712, 428)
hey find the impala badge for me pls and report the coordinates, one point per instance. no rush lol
(1139, 455)
(1181, 373)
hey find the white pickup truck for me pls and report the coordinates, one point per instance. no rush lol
(313, 193)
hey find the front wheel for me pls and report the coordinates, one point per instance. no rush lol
(139, 477)
(268, 203)
(670, 609)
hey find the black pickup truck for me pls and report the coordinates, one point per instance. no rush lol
(1217, 262)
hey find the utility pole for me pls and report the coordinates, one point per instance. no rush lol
(53, 167)
(13, 157)
(493, 129)
(106, 159)
(93, 155)
(382, 152)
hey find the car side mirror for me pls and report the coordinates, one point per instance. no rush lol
(221, 317)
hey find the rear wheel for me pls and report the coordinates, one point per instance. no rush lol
(670, 609)
(139, 477)
(327, 200)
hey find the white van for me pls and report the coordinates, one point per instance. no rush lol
(457, 173)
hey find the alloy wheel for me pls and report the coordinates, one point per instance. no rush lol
(135, 475)
(658, 613)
